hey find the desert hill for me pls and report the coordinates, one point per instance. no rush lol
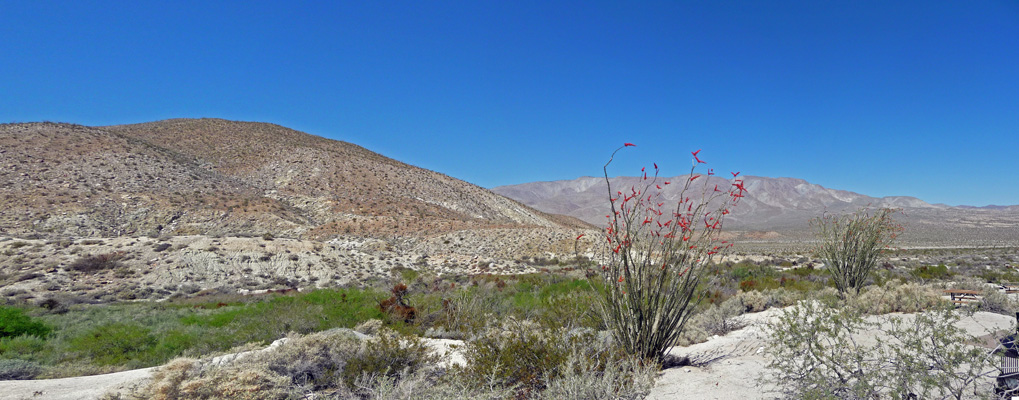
(211, 176)
(178, 206)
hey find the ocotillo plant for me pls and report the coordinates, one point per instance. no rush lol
(658, 255)
(851, 244)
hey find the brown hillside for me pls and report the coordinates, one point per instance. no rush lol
(213, 176)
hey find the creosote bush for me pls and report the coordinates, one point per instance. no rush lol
(659, 255)
(817, 353)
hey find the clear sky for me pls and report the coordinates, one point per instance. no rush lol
(884, 98)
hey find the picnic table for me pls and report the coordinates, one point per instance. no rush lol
(1010, 287)
(962, 296)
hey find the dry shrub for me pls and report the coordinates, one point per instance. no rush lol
(370, 327)
(186, 378)
(536, 362)
(335, 361)
(18, 369)
(996, 301)
(98, 262)
(723, 318)
(754, 300)
(906, 298)
(397, 304)
(585, 377)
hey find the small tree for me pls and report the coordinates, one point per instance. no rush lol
(657, 256)
(852, 244)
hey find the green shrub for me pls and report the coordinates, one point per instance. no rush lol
(929, 272)
(14, 322)
(517, 354)
(115, 344)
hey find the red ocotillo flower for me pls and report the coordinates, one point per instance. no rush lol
(697, 158)
(578, 237)
(629, 145)
(735, 174)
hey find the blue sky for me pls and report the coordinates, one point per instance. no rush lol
(917, 98)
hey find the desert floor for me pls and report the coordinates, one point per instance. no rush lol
(738, 360)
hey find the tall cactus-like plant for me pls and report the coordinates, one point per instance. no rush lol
(658, 254)
(851, 244)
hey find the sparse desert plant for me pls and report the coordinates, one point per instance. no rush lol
(18, 369)
(817, 353)
(851, 244)
(538, 362)
(658, 256)
(388, 354)
(397, 305)
(996, 301)
(98, 262)
(723, 318)
(894, 297)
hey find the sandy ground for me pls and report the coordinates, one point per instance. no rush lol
(734, 363)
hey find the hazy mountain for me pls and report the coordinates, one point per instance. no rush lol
(784, 206)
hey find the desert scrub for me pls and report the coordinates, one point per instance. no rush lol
(337, 361)
(18, 369)
(895, 297)
(537, 362)
(116, 344)
(723, 318)
(817, 352)
(852, 244)
(98, 262)
(658, 256)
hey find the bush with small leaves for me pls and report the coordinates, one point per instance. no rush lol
(722, 318)
(115, 344)
(14, 322)
(18, 369)
(816, 353)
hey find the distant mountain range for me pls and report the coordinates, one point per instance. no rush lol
(783, 207)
